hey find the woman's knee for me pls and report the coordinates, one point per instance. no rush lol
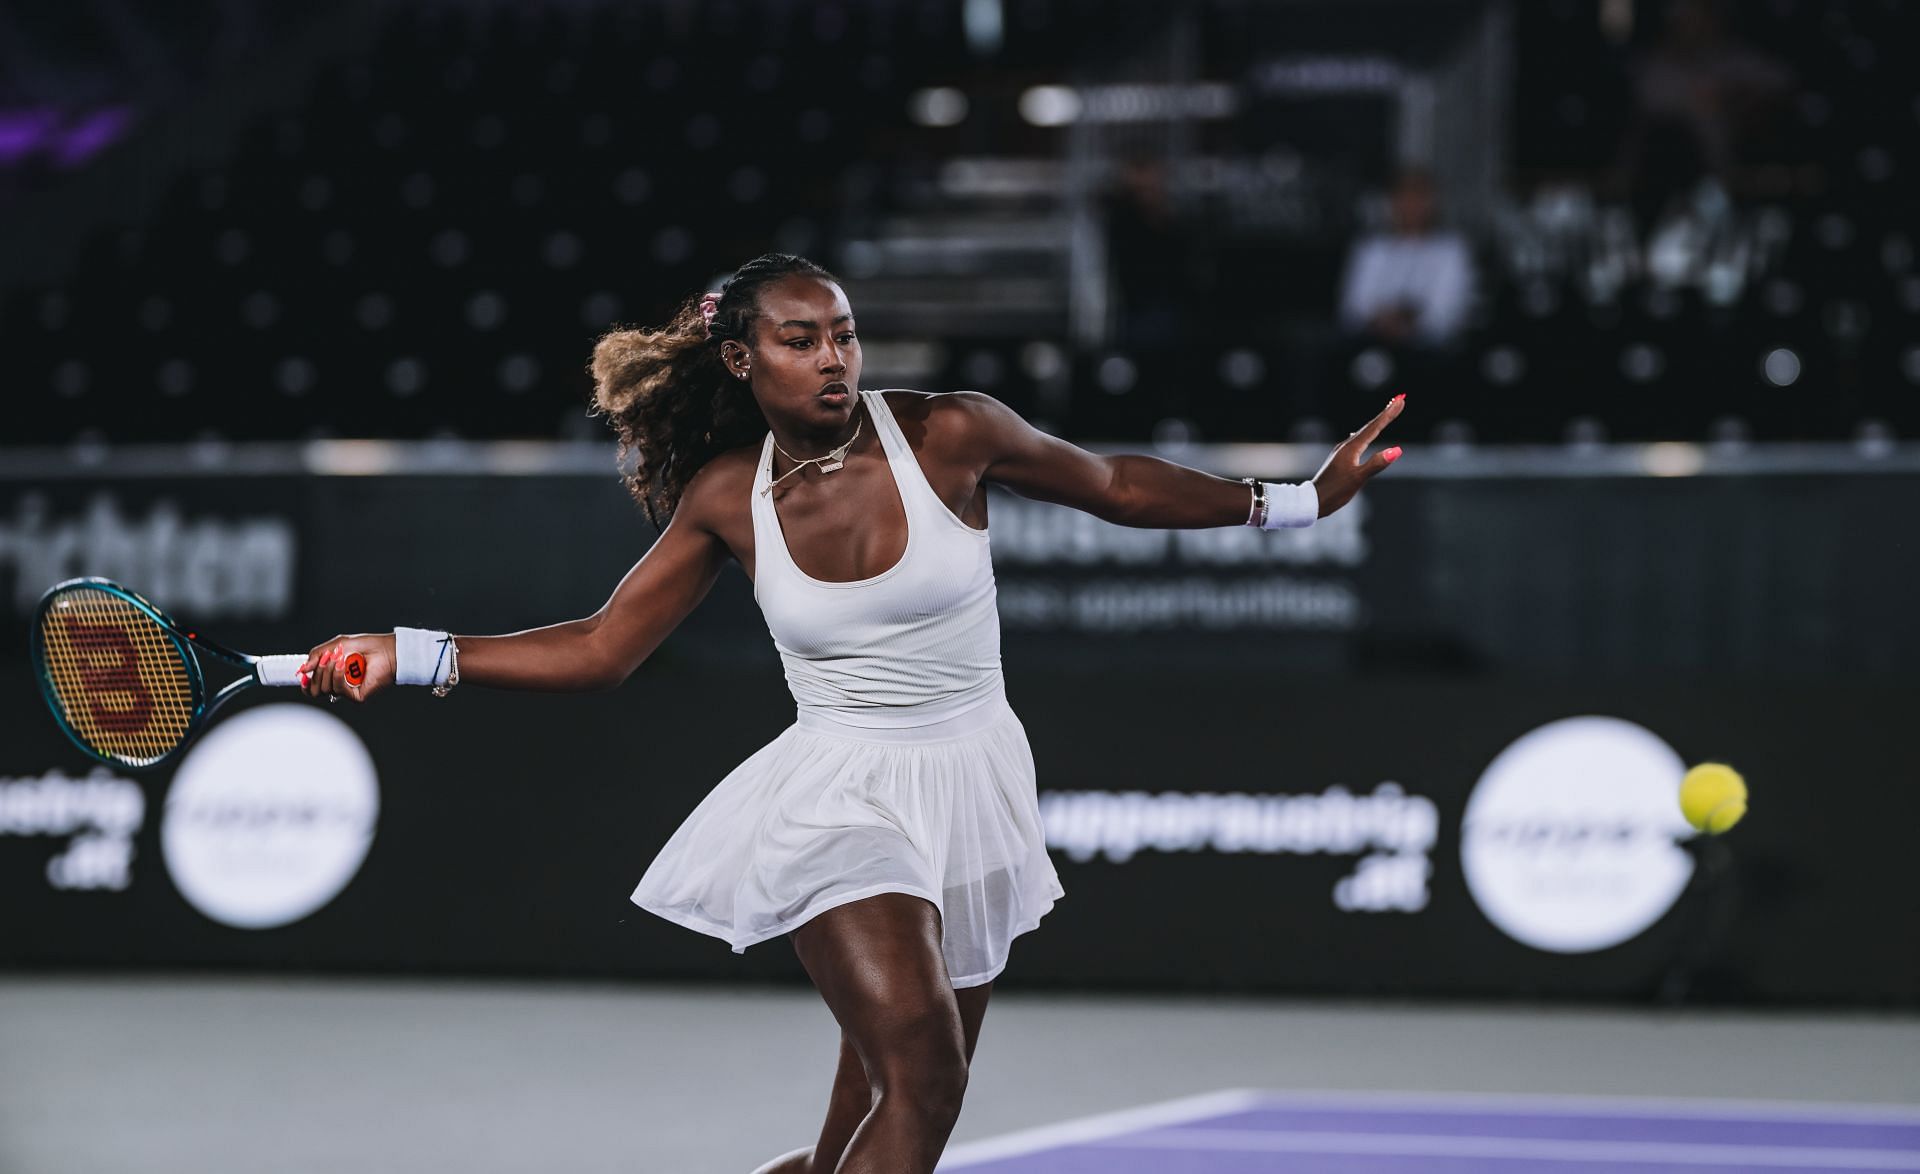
(932, 1092)
(919, 1059)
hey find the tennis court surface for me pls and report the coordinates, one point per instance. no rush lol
(1239, 1132)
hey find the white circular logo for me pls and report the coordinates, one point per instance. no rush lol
(1569, 841)
(270, 815)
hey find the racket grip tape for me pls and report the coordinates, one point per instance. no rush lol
(280, 670)
(285, 670)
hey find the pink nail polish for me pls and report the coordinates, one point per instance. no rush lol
(1396, 399)
(1392, 454)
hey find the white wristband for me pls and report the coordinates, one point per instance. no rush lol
(420, 657)
(1291, 506)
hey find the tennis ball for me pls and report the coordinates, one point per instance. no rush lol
(1713, 797)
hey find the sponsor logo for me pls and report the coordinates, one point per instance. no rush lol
(101, 812)
(1032, 533)
(213, 568)
(1391, 831)
(1063, 570)
(1570, 840)
(1137, 605)
(270, 816)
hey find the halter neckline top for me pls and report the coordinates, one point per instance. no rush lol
(915, 644)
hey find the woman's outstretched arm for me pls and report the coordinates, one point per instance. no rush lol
(1138, 490)
(602, 650)
(590, 654)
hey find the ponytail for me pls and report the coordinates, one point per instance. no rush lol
(668, 396)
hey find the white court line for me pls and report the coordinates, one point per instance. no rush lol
(1691, 1108)
(1102, 1126)
(1538, 1149)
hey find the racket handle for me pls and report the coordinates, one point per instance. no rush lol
(279, 670)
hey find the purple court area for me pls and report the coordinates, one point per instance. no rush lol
(1240, 1132)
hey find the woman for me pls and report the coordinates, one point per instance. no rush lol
(893, 831)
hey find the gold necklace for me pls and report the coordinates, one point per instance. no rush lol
(833, 459)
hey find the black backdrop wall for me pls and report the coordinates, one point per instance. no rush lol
(1429, 745)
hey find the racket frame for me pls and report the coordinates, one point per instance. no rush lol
(187, 644)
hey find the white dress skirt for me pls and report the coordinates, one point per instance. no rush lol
(905, 770)
(826, 814)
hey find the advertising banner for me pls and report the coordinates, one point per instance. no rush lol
(1430, 745)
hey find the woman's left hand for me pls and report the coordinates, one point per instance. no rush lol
(1345, 471)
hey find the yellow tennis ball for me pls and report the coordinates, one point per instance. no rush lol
(1713, 797)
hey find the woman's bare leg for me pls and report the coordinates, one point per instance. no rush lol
(852, 1096)
(797, 1162)
(973, 1011)
(848, 1105)
(878, 965)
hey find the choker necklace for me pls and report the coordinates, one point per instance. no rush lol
(828, 463)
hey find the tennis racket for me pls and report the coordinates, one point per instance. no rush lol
(125, 682)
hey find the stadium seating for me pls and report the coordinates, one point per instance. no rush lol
(431, 243)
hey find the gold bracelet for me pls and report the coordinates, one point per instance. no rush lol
(453, 668)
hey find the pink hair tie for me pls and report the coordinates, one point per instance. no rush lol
(708, 304)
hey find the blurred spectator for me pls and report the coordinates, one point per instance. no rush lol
(1149, 255)
(1411, 285)
(1699, 95)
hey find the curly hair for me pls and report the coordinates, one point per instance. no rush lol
(668, 395)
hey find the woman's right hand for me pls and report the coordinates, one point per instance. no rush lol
(1345, 471)
(324, 673)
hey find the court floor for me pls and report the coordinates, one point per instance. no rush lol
(205, 1075)
(1243, 1131)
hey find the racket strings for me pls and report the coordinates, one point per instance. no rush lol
(123, 686)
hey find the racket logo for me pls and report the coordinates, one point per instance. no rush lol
(124, 681)
(117, 699)
(356, 670)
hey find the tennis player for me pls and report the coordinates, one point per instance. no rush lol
(893, 830)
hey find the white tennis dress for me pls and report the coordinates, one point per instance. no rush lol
(905, 770)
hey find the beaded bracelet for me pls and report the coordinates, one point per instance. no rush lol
(452, 650)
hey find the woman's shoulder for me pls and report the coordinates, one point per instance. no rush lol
(937, 409)
(965, 428)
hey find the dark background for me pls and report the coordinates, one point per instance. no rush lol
(330, 276)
